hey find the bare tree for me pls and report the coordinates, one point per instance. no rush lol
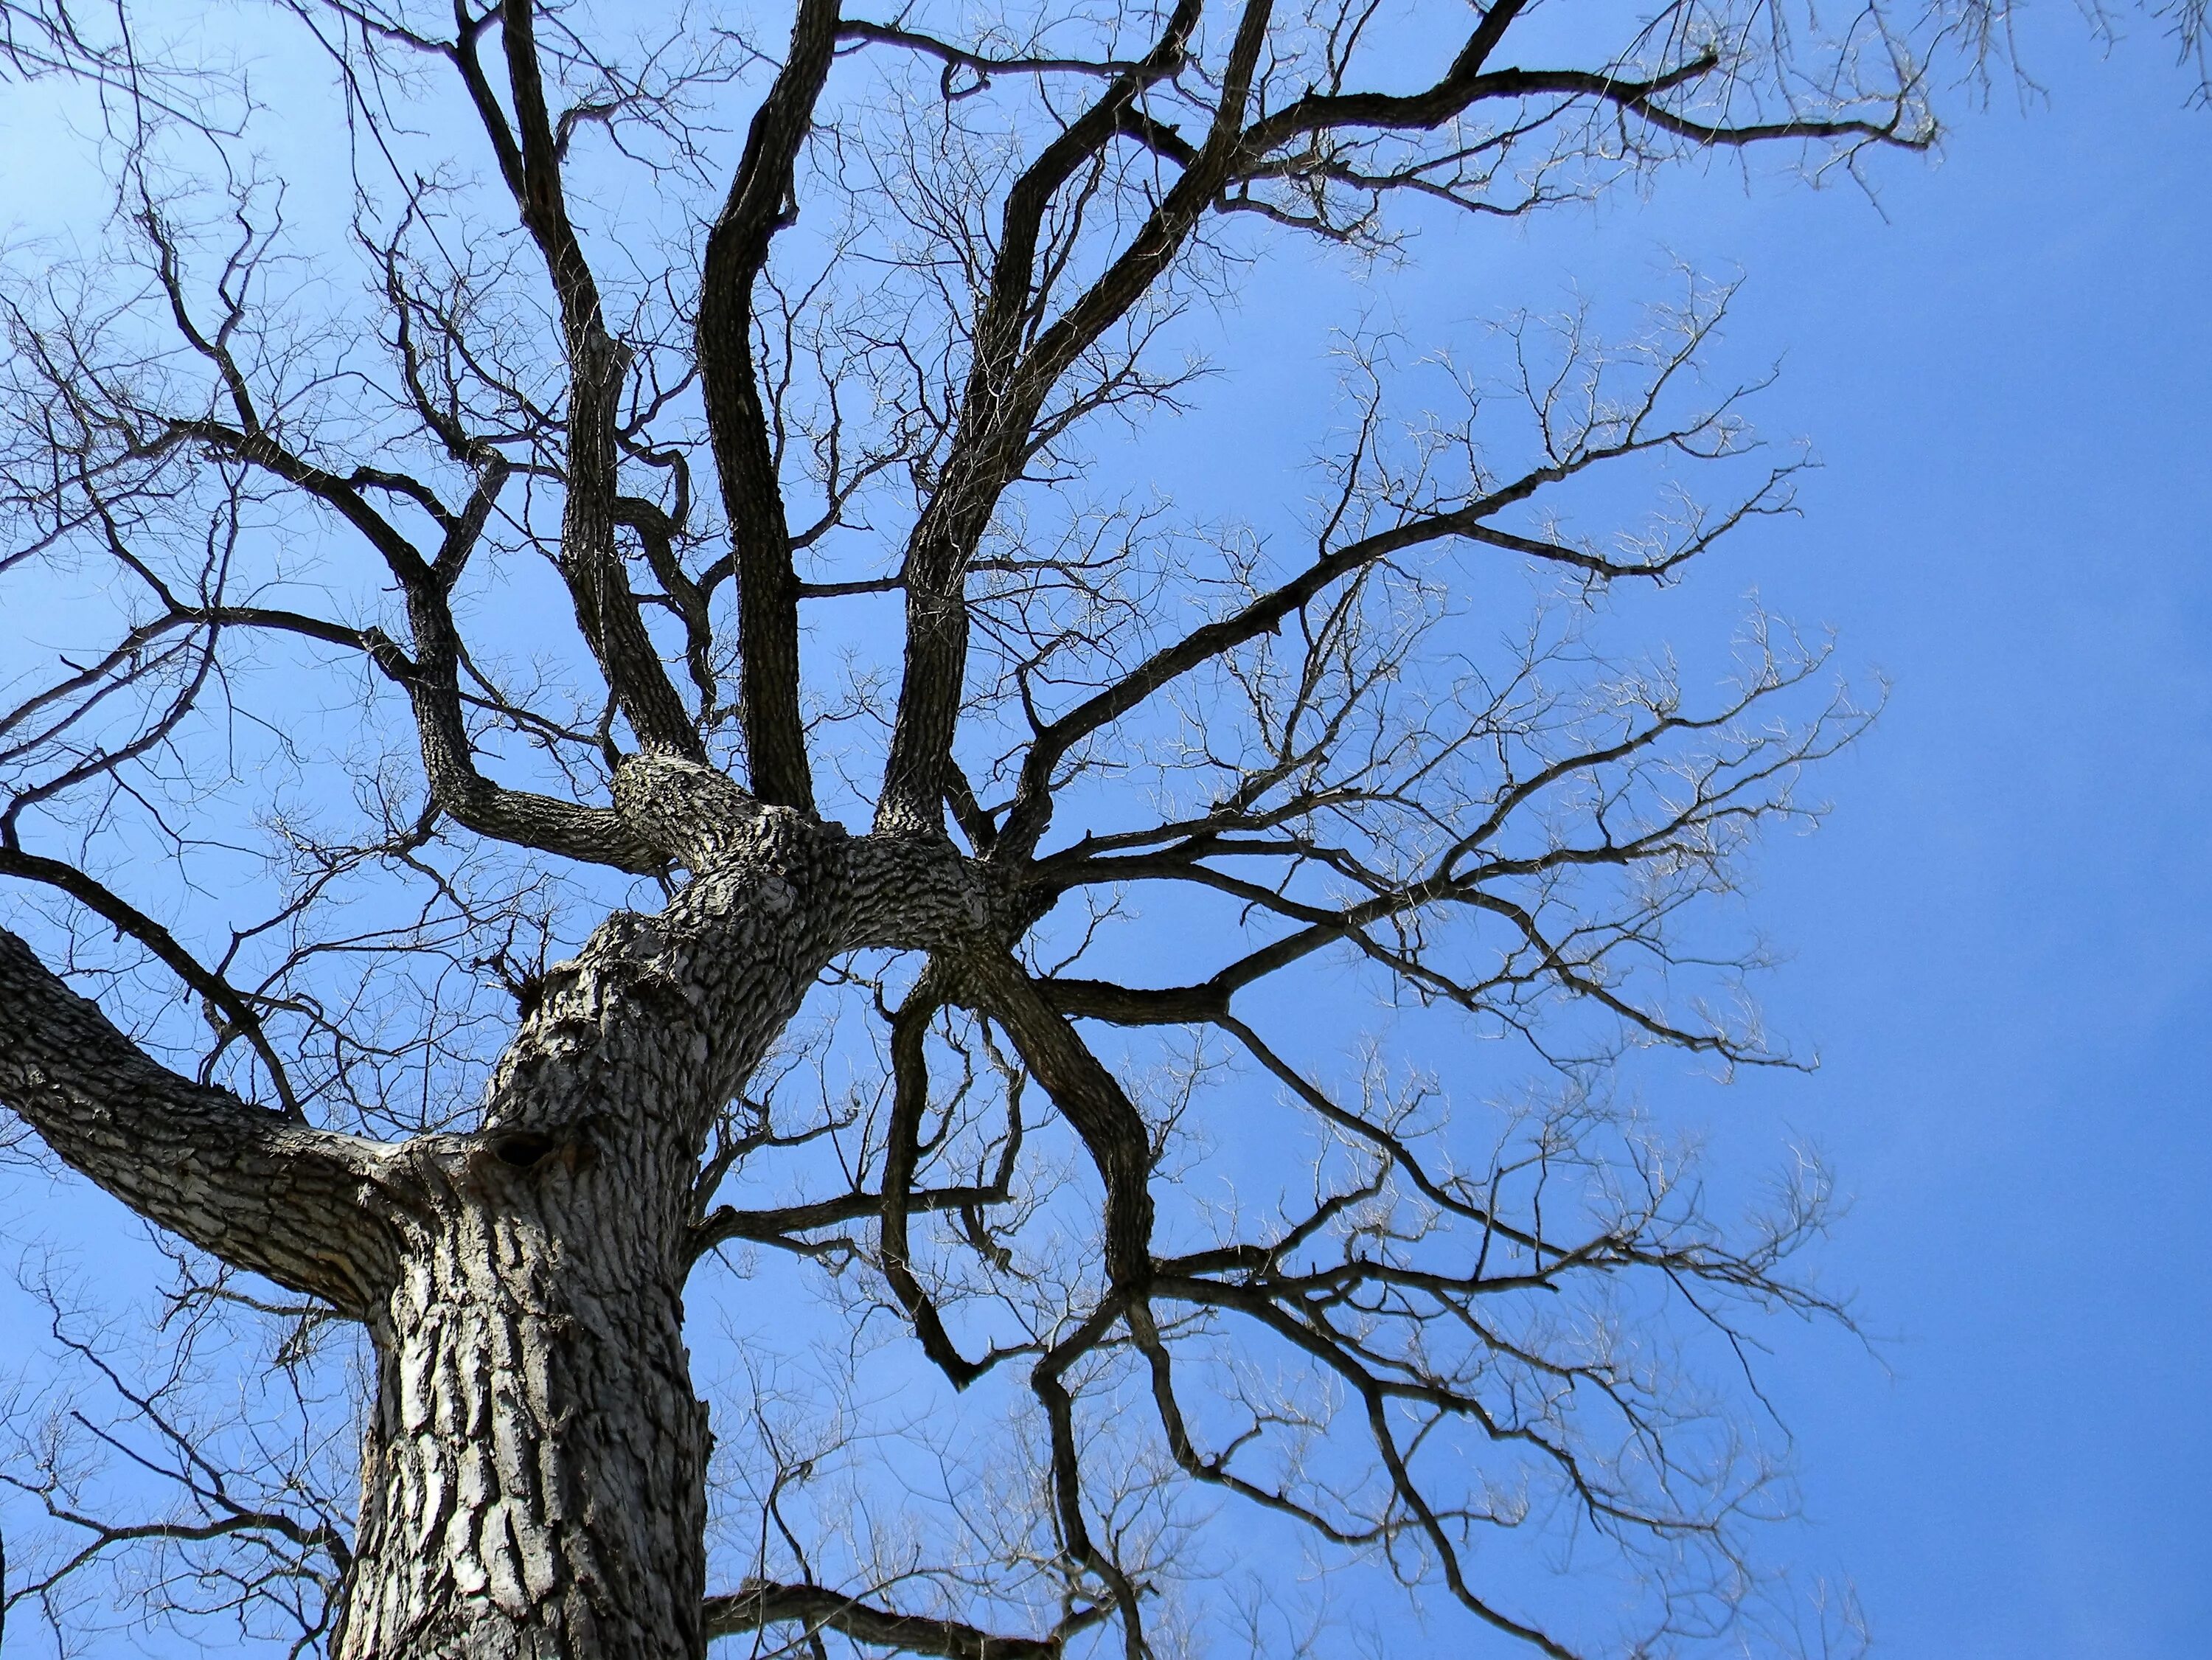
(453, 990)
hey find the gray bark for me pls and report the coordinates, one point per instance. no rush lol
(533, 1478)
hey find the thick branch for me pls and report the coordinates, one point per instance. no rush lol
(909, 1100)
(431, 677)
(980, 65)
(607, 610)
(1130, 1006)
(821, 1609)
(999, 409)
(252, 1188)
(112, 908)
(598, 835)
(780, 1224)
(752, 497)
(1089, 1097)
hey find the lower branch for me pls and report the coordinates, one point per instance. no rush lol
(251, 1187)
(761, 1604)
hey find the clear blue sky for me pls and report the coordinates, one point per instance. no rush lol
(2003, 940)
(2003, 937)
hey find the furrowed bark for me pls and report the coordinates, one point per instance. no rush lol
(534, 1470)
(534, 1476)
(248, 1185)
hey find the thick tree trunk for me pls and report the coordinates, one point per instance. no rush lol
(534, 1475)
(535, 1467)
(534, 1481)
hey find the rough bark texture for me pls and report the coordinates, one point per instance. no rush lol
(536, 1466)
(247, 1184)
(534, 1476)
(534, 1471)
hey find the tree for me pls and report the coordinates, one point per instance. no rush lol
(482, 984)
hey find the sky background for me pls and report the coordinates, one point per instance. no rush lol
(1999, 940)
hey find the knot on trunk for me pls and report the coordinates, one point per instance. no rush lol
(696, 814)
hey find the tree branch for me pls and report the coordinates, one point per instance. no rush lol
(1003, 392)
(606, 610)
(752, 495)
(820, 1609)
(254, 1187)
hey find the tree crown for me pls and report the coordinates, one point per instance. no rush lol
(661, 439)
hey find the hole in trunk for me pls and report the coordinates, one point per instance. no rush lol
(522, 1148)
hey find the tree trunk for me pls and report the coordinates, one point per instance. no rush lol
(534, 1470)
(534, 1480)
